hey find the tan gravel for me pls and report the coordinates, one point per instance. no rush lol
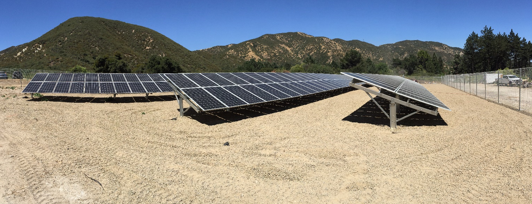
(82, 150)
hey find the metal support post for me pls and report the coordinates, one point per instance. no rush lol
(181, 113)
(476, 84)
(485, 85)
(114, 95)
(393, 116)
(146, 95)
(498, 87)
(398, 106)
(470, 84)
(31, 95)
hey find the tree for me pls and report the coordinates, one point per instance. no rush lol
(471, 52)
(351, 59)
(111, 64)
(158, 64)
(78, 69)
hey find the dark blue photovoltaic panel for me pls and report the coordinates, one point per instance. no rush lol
(91, 78)
(324, 85)
(131, 77)
(200, 80)
(260, 93)
(52, 77)
(92, 87)
(302, 86)
(136, 87)
(281, 76)
(151, 87)
(107, 87)
(77, 87)
(218, 79)
(226, 97)
(180, 81)
(233, 78)
(294, 88)
(118, 77)
(285, 90)
(203, 99)
(122, 88)
(164, 86)
(401, 86)
(157, 77)
(259, 77)
(273, 91)
(243, 94)
(79, 77)
(144, 77)
(247, 78)
(32, 87)
(270, 77)
(314, 85)
(105, 77)
(40, 77)
(62, 87)
(47, 87)
(290, 76)
(66, 77)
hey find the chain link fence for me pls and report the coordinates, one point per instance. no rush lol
(28, 73)
(510, 87)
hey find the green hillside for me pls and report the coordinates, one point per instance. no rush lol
(80, 40)
(294, 47)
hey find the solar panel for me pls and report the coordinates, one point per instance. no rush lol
(78, 77)
(62, 87)
(77, 87)
(32, 87)
(66, 77)
(400, 86)
(52, 77)
(164, 86)
(105, 77)
(232, 78)
(200, 80)
(92, 87)
(243, 94)
(203, 99)
(47, 87)
(225, 96)
(91, 77)
(144, 77)
(238, 89)
(131, 77)
(151, 87)
(97, 83)
(122, 88)
(218, 79)
(118, 77)
(39, 77)
(107, 87)
(136, 87)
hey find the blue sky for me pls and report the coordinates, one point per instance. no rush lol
(202, 24)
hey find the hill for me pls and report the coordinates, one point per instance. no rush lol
(80, 40)
(293, 47)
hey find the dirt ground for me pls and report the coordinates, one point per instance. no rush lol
(336, 149)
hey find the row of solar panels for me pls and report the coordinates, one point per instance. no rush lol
(213, 91)
(96, 77)
(401, 86)
(208, 91)
(97, 87)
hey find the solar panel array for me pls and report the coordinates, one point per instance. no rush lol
(213, 91)
(96, 83)
(401, 86)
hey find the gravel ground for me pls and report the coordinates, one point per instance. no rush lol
(81, 149)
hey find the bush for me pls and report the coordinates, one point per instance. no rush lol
(78, 69)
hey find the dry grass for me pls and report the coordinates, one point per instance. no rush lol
(94, 152)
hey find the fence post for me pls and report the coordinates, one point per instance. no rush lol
(485, 84)
(476, 84)
(498, 87)
(520, 84)
(470, 84)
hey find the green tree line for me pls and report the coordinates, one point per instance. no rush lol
(490, 52)
(420, 64)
